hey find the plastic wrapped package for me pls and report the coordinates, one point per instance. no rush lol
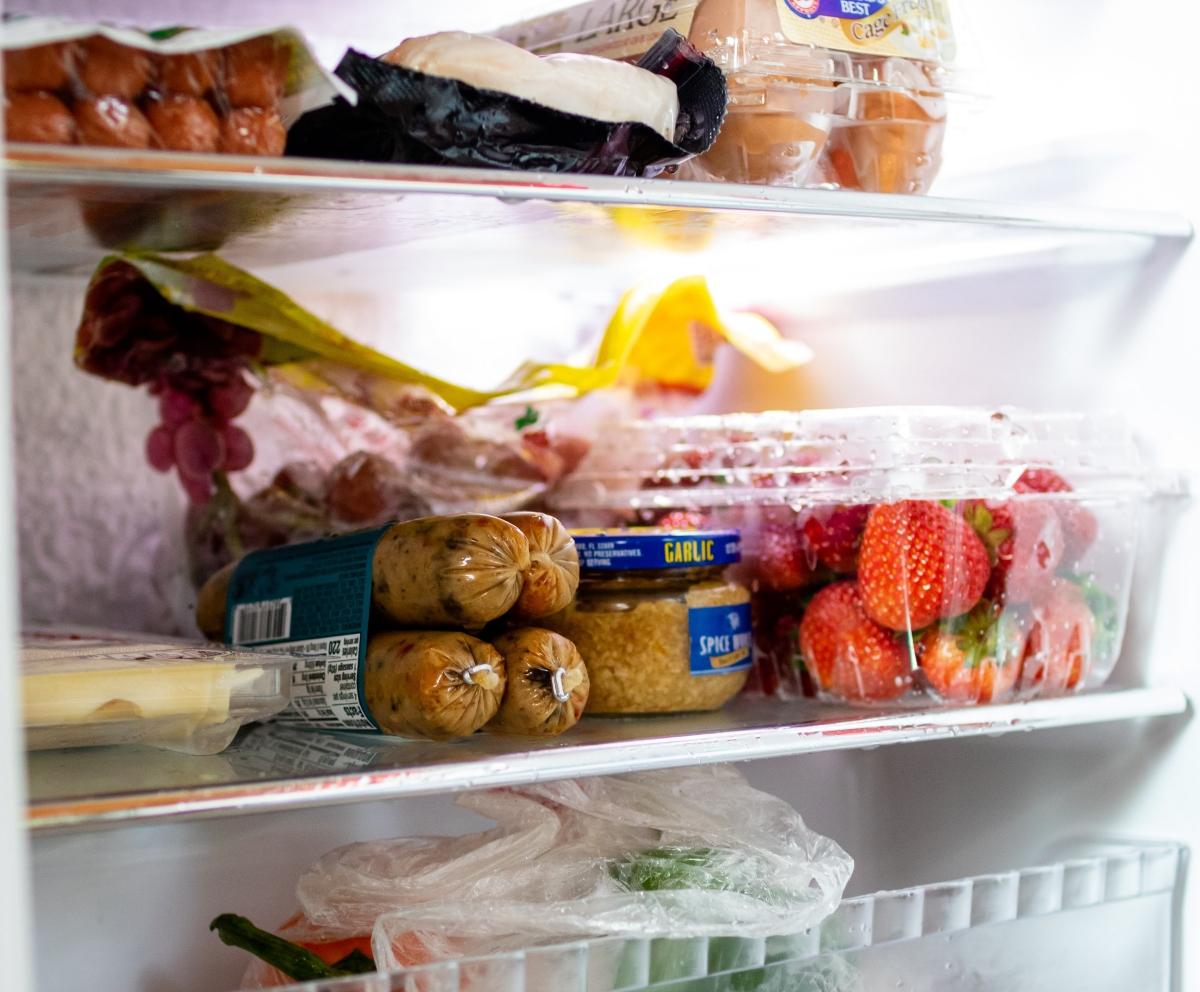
(682, 853)
(281, 428)
(469, 100)
(901, 555)
(820, 93)
(432, 684)
(547, 683)
(69, 82)
(86, 688)
(334, 603)
(461, 570)
(550, 582)
(1102, 916)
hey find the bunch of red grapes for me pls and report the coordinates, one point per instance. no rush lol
(198, 367)
(196, 435)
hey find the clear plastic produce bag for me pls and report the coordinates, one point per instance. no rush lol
(680, 852)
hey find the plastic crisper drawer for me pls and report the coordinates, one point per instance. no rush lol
(90, 688)
(1103, 917)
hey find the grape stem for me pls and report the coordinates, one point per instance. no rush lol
(226, 502)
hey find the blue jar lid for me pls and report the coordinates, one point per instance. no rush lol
(626, 549)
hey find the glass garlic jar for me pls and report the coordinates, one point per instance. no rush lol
(659, 627)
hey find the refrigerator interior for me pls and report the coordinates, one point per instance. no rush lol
(897, 312)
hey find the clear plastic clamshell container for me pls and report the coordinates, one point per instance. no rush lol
(1101, 917)
(915, 555)
(847, 93)
(84, 689)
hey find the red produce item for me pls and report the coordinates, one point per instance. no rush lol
(976, 658)
(1058, 652)
(229, 399)
(1079, 523)
(1025, 544)
(835, 539)
(160, 449)
(780, 563)
(919, 562)
(239, 449)
(848, 653)
(199, 450)
(176, 407)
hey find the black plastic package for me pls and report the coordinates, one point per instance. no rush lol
(407, 116)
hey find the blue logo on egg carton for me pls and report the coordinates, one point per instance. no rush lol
(843, 9)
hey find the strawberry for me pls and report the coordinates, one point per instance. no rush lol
(779, 562)
(835, 540)
(975, 658)
(1059, 651)
(682, 520)
(1025, 545)
(849, 654)
(1078, 522)
(919, 562)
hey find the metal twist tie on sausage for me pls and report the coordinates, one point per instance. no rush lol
(469, 675)
(556, 685)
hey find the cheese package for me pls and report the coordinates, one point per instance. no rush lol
(84, 689)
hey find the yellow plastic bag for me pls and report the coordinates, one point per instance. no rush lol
(661, 334)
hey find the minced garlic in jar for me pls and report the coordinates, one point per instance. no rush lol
(658, 627)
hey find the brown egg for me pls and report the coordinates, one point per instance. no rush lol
(194, 74)
(43, 67)
(40, 117)
(253, 131)
(255, 73)
(184, 123)
(109, 69)
(111, 121)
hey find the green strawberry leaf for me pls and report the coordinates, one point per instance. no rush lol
(983, 522)
(527, 419)
(1104, 611)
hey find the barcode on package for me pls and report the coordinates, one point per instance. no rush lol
(268, 620)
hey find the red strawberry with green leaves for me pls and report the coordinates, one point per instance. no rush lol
(974, 658)
(1061, 644)
(919, 562)
(1079, 524)
(778, 560)
(847, 653)
(834, 539)
(1025, 546)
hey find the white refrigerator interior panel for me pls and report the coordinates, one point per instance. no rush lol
(1094, 106)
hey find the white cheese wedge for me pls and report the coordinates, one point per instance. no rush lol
(201, 690)
(595, 87)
